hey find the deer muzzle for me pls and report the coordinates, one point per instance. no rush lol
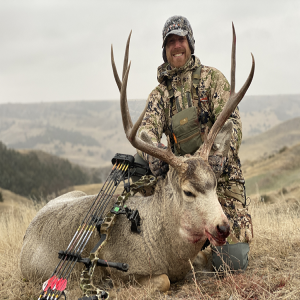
(218, 237)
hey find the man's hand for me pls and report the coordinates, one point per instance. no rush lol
(217, 164)
(157, 166)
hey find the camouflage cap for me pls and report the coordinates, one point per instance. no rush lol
(178, 25)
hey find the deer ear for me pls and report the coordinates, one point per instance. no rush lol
(221, 144)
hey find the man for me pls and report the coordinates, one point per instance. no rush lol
(188, 87)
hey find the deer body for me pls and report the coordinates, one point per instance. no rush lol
(173, 230)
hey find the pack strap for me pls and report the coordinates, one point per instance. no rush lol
(189, 99)
(196, 75)
(196, 82)
(169, 131)
(171, 96)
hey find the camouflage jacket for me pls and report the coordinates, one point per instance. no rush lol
(213, 92)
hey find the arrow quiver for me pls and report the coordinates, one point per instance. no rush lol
(123, 168)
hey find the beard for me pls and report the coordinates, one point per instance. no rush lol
(178, 61)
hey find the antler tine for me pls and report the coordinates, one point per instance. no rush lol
(125, 63)
(117, 78)
(233, 61)
(130, 131)
(124, 108)
(232, 102)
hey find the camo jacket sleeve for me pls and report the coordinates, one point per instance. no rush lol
(154, 121)
(214, 92)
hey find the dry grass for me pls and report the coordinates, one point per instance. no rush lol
(11, 200)
(273, 271)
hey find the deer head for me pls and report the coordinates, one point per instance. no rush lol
(192, 179)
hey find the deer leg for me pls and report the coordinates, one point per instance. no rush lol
(158, 282)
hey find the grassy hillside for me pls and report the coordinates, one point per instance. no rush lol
(263, 145)
(11, 201)
(260, 113)
(276, 172)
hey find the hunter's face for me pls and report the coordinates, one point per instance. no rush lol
(177, 50)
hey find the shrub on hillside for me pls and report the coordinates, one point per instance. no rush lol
(283, 149)
(266, 199)
(1, 197)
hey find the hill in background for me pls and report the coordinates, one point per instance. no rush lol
(263, 145)
(276, 172)
(30, 175)
(260, 113)
(89, 133)
(268, 177)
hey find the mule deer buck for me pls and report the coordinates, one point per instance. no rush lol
(176, 220)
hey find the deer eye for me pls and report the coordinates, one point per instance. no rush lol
(189, 194)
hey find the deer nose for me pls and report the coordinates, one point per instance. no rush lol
(223, 230)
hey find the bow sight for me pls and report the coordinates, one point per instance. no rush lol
(124, 167)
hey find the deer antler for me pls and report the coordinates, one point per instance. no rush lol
(130, 129)
(125, 65)
(231, 104)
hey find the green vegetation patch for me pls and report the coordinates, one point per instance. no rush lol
(26, 175)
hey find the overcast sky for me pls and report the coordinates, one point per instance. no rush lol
(58, 50)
